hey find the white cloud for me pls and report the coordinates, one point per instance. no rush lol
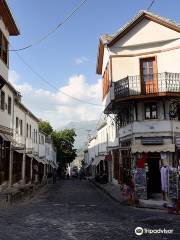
(58, 108)
(81, 60)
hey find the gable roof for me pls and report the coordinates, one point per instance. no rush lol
(138, 18)
(110, 40)
(8, 18)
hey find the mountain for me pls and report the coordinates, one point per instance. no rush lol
(82, 129)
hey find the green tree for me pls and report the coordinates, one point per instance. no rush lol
(64, 142)
(45, 127)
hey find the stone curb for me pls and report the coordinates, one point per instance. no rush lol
(107, 192)
(125, 202)
(8, 199)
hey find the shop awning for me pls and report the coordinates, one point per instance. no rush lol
(52, 165)
(37, 159)
(139, 148)
(20, 150)
(97, 160)
(45, 161)
(5, 137)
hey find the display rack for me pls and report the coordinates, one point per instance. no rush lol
(140, 183)
(174, 184)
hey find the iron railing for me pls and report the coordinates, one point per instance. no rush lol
(147, 84)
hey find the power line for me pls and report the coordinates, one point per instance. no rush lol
(67, 18)
(52, 85)
(151, 4)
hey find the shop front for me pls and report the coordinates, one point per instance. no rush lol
(152, 169)
(28, 168)
(17, 166)
(4, 158)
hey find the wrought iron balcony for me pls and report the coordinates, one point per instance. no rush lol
(148, 84)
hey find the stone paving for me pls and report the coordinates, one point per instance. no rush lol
(77, 210)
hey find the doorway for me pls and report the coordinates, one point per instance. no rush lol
(153, 175)
(148, 71)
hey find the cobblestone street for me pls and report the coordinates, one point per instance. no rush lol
(76, 210)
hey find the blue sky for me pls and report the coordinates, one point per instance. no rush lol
(72, 50)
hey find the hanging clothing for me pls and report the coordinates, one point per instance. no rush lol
(164, 179)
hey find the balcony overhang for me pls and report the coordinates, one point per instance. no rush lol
(129, 89)
(140, 87)
(2, 82)
(8, 18)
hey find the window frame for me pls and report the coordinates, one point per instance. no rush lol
(27, 130)
(3, 96)
(9, 107)
(4, 49)
(21, 127)
(150, 105)
(17, 124)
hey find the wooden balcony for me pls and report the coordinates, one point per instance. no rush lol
(160, 84)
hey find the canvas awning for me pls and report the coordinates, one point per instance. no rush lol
(45, 161)
(97, 160)
(20, 150)
(56, 165)
(52, 164)
(139, 148)
(37, 159)
(5, 137)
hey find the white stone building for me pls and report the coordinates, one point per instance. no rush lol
(140, 68)
(22, 146)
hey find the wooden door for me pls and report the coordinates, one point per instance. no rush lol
(148, 68)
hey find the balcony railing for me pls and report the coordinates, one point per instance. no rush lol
(148, 84)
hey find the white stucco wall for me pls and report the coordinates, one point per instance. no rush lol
(105, 59)
(146, 37)
(3, 66)
(20, 114)
(6, 119)
(28, 142)
(150, 128)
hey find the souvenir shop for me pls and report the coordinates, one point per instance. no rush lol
(156, 176)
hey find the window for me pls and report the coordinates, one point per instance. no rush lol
(34, 137)
(151, 111)
(148, 71)
(17, 124)
(27, 130)
(30, 131)
(21, 127)
(3, 48)
(2, 100)
(9, 105)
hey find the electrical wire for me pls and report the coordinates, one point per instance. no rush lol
(67, 18)
(150, 5)
(52, 85)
